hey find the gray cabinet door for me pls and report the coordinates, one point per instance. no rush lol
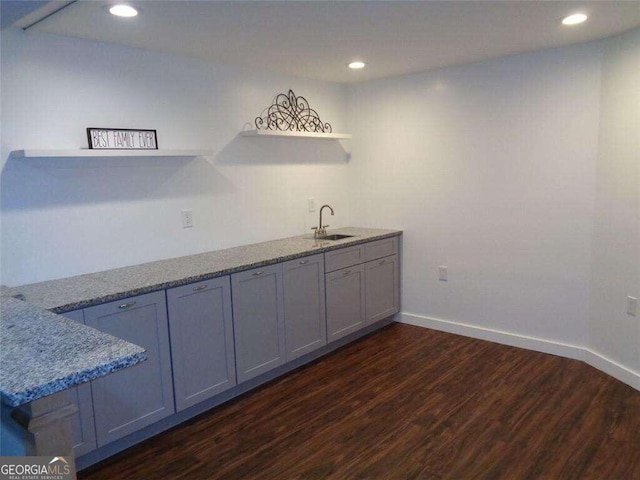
(304, 305)
(258, 320)
(345, 301)
(382, 288)
(130, 399)
(202, 353)
(84, 431)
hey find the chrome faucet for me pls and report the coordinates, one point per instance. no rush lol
(321, 230)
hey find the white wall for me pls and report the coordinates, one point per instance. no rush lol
(62, 217)
(520, 174)
(616, 237)
(489, 168)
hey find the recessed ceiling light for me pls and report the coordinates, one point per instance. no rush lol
(574, 19)
(122, 10)
(356, 65)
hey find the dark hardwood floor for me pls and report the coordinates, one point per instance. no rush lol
(408, 403)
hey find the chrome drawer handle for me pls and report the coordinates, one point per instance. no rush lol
(259, 272)
(200, 287)
(303, 262)
(347, 272)
(126, 305)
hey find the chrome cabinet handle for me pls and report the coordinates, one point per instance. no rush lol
(200, 287)
(347, 272)
(382, 262)
(126, 305)
(259, 272)
(303, 262)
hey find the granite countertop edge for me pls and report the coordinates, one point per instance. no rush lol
(42, 353)
(15, 399)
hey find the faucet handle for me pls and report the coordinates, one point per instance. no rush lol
(314, 228)
(324, 227)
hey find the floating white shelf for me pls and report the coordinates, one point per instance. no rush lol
(283, 133)
(86, 153)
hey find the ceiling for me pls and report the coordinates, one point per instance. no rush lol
(317, 39)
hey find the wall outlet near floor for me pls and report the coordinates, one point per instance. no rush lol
(442, 273)
(187, 218)
(632, 306)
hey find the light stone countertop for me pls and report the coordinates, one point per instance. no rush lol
(43, 353)
(83, 291)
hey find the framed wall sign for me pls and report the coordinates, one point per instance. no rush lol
(121, 139)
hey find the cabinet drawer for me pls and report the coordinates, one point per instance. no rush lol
(380, 248)
(343, 258)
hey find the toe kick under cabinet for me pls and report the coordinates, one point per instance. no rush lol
(362, 286)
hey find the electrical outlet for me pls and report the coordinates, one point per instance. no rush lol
(311, 204)
(187, 218)
(442, 273)
(632, 306)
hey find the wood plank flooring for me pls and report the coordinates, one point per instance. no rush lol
(408, 403)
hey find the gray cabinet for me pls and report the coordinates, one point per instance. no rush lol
(345, 290)
(382, 288)
(202, 353)
(83, 428)
(362, 286)
(228, 330)
(130, 399)
(304, 305)
(258, 320)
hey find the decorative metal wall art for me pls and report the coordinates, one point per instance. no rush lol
(291, 113)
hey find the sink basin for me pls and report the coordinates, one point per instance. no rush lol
(335, 236)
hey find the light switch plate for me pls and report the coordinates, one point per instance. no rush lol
(311, 205)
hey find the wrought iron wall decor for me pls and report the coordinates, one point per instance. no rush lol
(291, 113)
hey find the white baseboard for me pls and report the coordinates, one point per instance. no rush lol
(595, 359)
(615, 369)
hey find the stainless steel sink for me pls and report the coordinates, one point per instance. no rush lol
(335, 236)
